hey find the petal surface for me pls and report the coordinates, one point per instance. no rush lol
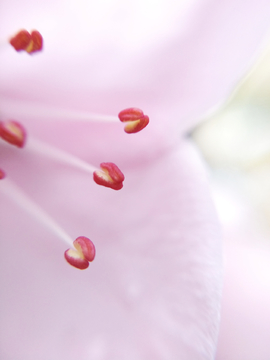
(153, 290)
(183, 59)
(244, 332)
(154, 287)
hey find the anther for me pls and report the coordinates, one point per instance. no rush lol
(135, 120)
(13, 132)
(2, 174)
(30, 43)
(36, 42)
(85, 252)
(109, 176)
(21, 40)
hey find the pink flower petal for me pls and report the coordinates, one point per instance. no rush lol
(153, 289)
(245, 314)
(175, 69)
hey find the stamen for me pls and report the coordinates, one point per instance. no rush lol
(2, 174)
(85, 249)
(85, 252)
(109, 176)
(28, 42)
(135, 119)
(13, 132)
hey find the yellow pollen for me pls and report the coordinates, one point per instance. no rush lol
(130, 125)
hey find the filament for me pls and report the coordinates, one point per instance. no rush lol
(17, 108)
(11, 190)
(54, 153)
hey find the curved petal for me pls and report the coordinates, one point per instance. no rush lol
(153, 290)
(182, 59)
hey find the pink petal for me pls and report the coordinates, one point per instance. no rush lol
(245, 327)
(153, 290)
(175, 66)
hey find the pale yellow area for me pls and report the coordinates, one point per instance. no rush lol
(30, 46)
(130, 125)
(15, 130)
(75, 254)
(104, 174)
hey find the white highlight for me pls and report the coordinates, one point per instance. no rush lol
(15, 108)
(54, 153)
(25, 202)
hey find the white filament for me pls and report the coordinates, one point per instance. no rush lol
(33, 110)
(26, 203)
(54, 153)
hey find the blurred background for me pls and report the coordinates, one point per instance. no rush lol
(235, 143)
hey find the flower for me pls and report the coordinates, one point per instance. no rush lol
(153, 291)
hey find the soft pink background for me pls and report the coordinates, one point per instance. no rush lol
(153, 291)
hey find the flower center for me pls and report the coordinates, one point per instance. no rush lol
(109, 175)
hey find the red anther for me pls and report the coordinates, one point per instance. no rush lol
(36, 42)
(135, 119)
(110, 176)
(2, 174)
(13, 132)
(21, 40)
(85, 252)
(29, 42)
(86, 247)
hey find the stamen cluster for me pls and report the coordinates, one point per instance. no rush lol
(109, 175)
